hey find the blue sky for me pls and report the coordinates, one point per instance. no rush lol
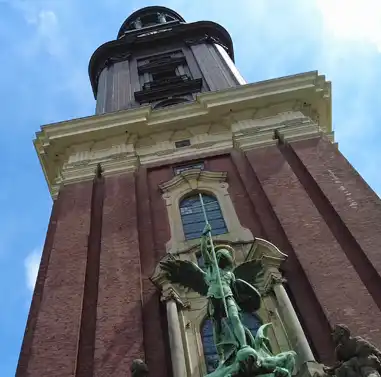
(45, 48)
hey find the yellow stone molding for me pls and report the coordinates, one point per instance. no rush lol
(160, 147)
(191, 178)
(271, 258)
(213, 122)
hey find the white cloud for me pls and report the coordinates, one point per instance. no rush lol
(353, 20)
(47, 36)
(31, 265)
(40, 15)
(53, 29)
(27, 8)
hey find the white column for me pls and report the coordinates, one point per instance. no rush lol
(175, 339)
(288, 313)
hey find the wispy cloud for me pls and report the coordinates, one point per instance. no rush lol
(50, 42)
(31, 265)
(48, 33)
(353, 20)
(44, 33)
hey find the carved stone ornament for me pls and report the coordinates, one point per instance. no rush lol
(355, 356)
(188, 176)
(139, 368)
(168, 290)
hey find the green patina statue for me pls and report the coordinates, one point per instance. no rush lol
(230, 291)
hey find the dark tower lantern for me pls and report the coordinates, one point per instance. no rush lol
(149, 17)
(158, 59)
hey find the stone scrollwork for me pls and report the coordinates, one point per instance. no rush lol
(170, 294)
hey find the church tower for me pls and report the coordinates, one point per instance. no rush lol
(174, 118)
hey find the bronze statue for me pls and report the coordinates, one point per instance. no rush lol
(229, 291)
(355, 356)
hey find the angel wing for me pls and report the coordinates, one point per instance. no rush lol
(248, 275)
(250, 271)
(186, 274)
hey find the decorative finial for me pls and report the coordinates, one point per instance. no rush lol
(138, 23)
(162, 18)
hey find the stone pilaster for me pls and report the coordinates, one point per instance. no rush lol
(172, 301)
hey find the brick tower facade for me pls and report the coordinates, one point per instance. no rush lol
(175, 118)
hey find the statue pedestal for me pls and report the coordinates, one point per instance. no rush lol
(310, 369)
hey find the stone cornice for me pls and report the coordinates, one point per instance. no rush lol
(245, 117)
(236, 100)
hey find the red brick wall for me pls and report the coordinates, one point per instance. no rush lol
(86, 337)
(159, 215)
(26, 349)
(257, 169)
(53, 349)
(348, 205)
(119, 328)
(343, 296)
(281, 193)
(155, 335)
(93, 248)
(239, 195)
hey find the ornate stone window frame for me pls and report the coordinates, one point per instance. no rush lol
(204, 181)
(284, 334)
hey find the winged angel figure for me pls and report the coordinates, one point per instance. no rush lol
(230, 291)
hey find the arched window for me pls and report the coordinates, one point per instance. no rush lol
(192, 216)
(251, 321)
